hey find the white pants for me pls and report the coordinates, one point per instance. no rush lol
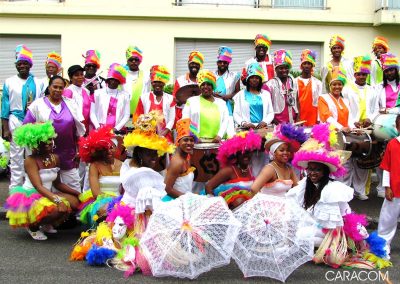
(379, 173)
(356, 177)
(71, 178)
(16, 165)
(387, 226)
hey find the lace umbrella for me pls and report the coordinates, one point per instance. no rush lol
(275, 239)
(189, 235)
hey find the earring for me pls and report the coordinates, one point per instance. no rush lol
(54, 145)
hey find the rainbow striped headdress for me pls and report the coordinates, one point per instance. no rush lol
(336, 40)
(308, 55)
(362, 64)
(338, 74)
(380, 40)
(206, 76)
(254, 69)
(159, 73)
(225, 54)
(117, 72)
(54, 58)
(196, 57)
(283, 57)
(23, 53)
(389, 60)
(263, 40)
(92, 57)
(134, 51)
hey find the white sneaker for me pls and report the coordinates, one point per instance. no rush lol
(361, 196)
(381, 194)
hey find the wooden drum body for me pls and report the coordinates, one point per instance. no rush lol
(205, 160)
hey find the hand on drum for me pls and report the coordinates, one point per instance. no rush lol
(248, 126)
(346, 129)
(217, 139)
(262, 124)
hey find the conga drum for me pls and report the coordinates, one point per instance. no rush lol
(204, 159)
(384, 127)
(359, 143)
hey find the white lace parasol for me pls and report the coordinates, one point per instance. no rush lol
(189, 235)
(275, 239)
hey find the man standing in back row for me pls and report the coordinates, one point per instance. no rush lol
(262, 45)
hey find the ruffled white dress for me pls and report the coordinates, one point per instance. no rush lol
(143, 186)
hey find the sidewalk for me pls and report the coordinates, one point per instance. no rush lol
(369, 207)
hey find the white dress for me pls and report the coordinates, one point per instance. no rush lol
(47, 176)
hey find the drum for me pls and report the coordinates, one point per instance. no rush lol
(359, 143)
(205, 160)
(375, 158)
(385, 127)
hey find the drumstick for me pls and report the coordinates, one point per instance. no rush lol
(300, 122)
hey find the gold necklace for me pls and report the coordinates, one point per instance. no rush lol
(49, 160)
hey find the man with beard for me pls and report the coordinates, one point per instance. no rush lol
(228, 83)
(137, 81)
(92, 64)
(308, 89)
(18, 93)
(364, 106)
(281, 88)
(195, 63)
(336, 45)
(262, 45)
(53, 67)
(379, 46)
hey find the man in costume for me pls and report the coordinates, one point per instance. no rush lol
(19, 91)
(379, 46)
(262, 45)
(308, 89)
(92, 64)
(195, 63)
(53, 67)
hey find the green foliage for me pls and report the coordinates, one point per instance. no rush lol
(169, 88)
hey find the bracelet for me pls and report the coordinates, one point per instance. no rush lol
(57, 200)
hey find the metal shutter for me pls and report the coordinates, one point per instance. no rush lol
(242, 51)
(40, 46)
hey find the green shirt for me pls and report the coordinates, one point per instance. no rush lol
(209, 119)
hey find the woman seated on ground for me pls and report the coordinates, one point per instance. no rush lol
(98, 149)
(34, 205)
(234, 179)
(179, 176)
(278, 177)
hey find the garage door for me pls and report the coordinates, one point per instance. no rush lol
(40, 46)
(242, 51)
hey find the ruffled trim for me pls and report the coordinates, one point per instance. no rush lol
(21, 199)
(148, 198)
(42, 208)
(87, 213)
(336, 191)
(328, 215)
(284, 181)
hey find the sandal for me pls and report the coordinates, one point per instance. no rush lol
(37, 235)
(48, 229)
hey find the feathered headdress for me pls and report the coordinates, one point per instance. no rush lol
(125, 212)
(117, 72)
(92, 57)
(287, 133)
(31, 134)
(97, 140)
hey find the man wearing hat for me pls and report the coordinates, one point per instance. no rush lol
(379, 46)
(228, 83)
(308, 89)
(283, 95)
(18, 93)
(195, 63)
(364, 106)
(137, 81)
(336, 46)
(262, 45)
(92, 64)
(52, 66)
(158, 100)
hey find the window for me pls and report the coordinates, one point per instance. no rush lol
(251, 3)
(40, 46)
(300, 4)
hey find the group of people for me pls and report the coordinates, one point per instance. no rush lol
(71, 133)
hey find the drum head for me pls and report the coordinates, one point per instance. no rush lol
(206, 146)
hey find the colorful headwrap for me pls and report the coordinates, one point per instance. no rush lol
(380, 40)
(92, 57)
(225, 54)
(159, 73)
(118, 72)
(31, 134)
(308, 55)
(134, 51)
(145, 135)
(288, 133)
(184, 128)
(253, 69)
(241, 142)
(283, 57)
(206, 76)
(263, 40)
(362, 64)
(54, 58)
(389, 60)
(23, 53)
(196, 57)
(338, 74)
(336, 40)
(97, 140)
(320, 149)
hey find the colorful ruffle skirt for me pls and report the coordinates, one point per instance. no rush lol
(90, 206)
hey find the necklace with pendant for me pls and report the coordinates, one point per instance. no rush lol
(48, 160)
